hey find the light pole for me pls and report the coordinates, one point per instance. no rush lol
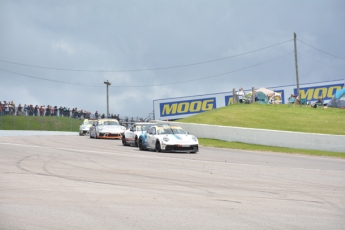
(296, 65)
(107, 83)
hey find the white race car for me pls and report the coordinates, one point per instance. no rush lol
(131, 135)
(107, 128)
(168, 138)
(84, 128)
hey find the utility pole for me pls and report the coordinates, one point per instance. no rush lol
(107, 83)
(296, 64)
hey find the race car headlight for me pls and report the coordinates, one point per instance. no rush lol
(100, 128)
(194, 138)
(166, 139)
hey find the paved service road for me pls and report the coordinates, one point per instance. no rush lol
(74, 182)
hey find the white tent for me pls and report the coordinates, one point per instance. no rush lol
(274, 97)
(268, 92)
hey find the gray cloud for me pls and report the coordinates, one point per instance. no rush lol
(132, 35)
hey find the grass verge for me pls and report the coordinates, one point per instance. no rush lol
(39, 123)
(264, 148)
(275, 117)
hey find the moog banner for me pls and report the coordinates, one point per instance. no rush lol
(187, 107)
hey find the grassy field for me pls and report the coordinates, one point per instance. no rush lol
(39, 123)
(275, 117)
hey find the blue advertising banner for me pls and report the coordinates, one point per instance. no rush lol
(326, 92)
(187, 107)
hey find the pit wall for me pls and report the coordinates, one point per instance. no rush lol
(326, 142)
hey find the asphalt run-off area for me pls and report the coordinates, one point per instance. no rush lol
(58, 180)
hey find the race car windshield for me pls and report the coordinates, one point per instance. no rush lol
(145, 127)
(178, 131)
(171, 130)
(110, 123)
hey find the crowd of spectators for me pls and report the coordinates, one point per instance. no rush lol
(10, 109)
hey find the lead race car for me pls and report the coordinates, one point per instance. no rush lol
(131, 135)
(168, 138)
(107, 128)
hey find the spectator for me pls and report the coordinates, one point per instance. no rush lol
(240, 95)
(74, 113)
(41, 111)
(20, 110)
(55, 110)
(317, 103)
(103, 115)
(96, 114)
(36, 110)
(7, 109)
(61, 111)
(47, 110)
(31, 110)
(26, 109)
(1, 111)
(295, 97)
(12, 107)
(52, 111)
(64, 111)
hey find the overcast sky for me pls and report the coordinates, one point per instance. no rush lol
(61, 52)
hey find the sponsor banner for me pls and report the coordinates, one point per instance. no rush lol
(229, 100)
(187, 107)
(281, 91)
(326, 92)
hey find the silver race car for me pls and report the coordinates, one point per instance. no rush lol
(107, 129)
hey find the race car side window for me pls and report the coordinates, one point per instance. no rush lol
(152, 130)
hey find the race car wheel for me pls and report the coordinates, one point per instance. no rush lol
(136, 141)
(158, 146)
(140, 143)
(124, 142)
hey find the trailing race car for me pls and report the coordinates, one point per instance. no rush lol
(131, 135)
(107, 128)
(168, 138)
(84, 128)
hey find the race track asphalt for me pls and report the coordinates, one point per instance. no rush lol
(66, 181)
